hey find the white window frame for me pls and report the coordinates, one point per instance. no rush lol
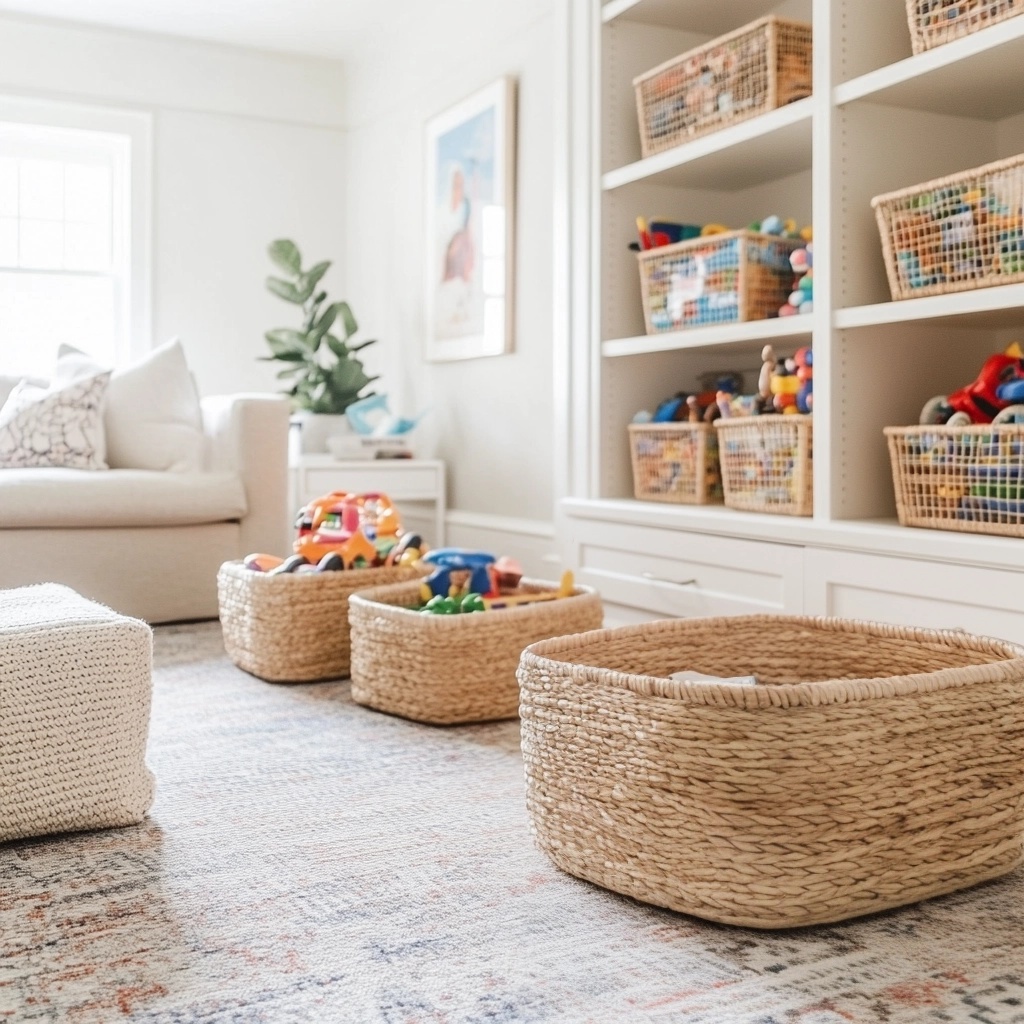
(138, 127)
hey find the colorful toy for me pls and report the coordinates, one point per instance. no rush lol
(801, 298)
(448, 560)
(983, 399)
(361, 528)
(457, 603)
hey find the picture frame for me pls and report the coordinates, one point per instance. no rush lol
(470, 226)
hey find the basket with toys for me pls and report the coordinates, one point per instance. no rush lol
(286, 619)
(962, 467)
(765, 440)
(445, 650)
(722, 276)
(935, 22)
(757, 68)
(956, 233)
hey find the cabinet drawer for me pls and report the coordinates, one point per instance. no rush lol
(679, 574)
(405, 481)
(911, 592)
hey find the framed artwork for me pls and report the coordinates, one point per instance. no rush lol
(470, 225)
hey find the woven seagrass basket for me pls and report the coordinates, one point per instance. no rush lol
(870, 766)
(293, 628)
(445, 669)
(675, 462)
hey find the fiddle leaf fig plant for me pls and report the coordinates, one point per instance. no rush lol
(320, 363)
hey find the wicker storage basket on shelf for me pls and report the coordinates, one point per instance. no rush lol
(959, 478)
(675, 462)
(956, 233)
(718, 279)
(934, 22)
(767, 463)
(870, 766)
(757, 68)
(293, 628)
(445, 669)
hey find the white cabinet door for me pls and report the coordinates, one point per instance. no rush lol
(913, 592)
(674, 573)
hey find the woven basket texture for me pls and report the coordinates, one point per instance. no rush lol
(748, 72)
(956, 233)
(870, 767)
(719, 279)
(75, 695)
(969, 479)
(445, 669)
(767, 463)
(935, 22)
(293, 627)
(676, 462)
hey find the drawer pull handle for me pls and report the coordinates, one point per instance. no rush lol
(663, 579)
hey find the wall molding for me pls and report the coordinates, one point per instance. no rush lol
(500, 524)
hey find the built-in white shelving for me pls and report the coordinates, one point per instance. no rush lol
(881, 119)
(794, 329)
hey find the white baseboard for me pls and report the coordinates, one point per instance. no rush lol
(530, 541)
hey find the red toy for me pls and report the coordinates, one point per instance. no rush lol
(979, 400)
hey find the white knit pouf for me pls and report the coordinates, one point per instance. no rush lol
(75, 691)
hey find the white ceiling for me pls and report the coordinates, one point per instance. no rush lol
(326, 28)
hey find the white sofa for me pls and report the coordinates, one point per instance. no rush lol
(148, 544)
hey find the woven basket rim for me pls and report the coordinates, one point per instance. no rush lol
(543, 656)
(995, 166)
(796, 418)
(375, 598)
(237, 569)
(722, 236)
(948, 431)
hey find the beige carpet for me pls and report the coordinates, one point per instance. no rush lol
(309, 860)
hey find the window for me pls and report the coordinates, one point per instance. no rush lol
(73, 234)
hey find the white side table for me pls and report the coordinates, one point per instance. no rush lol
(400, 479)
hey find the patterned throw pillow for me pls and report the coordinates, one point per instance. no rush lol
(54, 428)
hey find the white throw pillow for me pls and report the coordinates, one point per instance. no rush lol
(61, 426)
(153, 418)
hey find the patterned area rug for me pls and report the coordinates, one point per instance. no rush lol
(309, 860)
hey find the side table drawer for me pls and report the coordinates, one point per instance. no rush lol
(408, 482)
(679, 574)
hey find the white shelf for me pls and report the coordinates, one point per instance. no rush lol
(874, 536)
(789, 328)
(981, 75)
(707, 17)
(764, 148)
(985, 307)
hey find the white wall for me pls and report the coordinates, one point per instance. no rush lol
(491, 418)
(248, 147)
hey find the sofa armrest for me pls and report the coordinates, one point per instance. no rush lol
(248, 435)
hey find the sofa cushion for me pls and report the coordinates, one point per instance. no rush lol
(152, 414)
(119, 497)
(59, 426)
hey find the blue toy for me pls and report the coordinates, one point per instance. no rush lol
(447, 560)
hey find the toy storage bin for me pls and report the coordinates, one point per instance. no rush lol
(757, 68)
(767, 463)
(934, 22)
(959, 478)
(293, 627)
(718, 279)
(955, 233)
(870, 765)
(445, 669)
(675, 462)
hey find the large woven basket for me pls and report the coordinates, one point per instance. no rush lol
(871, 765)
(293, 628)
(445, 669)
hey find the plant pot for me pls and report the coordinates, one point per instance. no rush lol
(313, 430)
